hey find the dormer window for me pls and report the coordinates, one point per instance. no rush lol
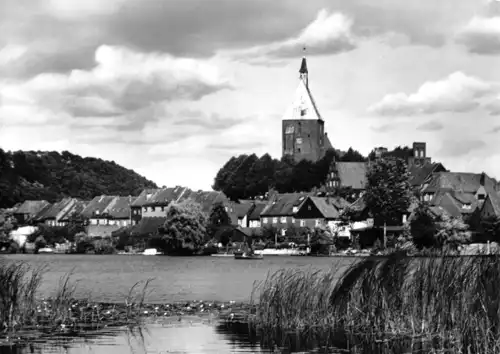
(467, 206)
(295, 209)
(97, 212)
(481, 197)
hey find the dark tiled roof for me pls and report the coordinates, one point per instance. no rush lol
(119, 208)
(352, 174)
(97, 206)
(419, 173)
(165, 196)
(494, 199)
(31, 207)
(453, 202)
(208, 199)
(42, 212)
(255, 214)
(76, 208)
(461, 181)
(242, 209)
(144, 197)
(326, 208)
(338, 202)
(282, 204)
(56, 210)
(148, 225)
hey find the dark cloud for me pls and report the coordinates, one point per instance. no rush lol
(213, 121)
(246, 146)
(383, 128)
(460, 147)
(496, 129)
(480, 42)
(430, 126)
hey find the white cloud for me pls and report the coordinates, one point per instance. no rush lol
(481, 35)
(11, 53)
(329, 33)
(122, 82)
(456, 93)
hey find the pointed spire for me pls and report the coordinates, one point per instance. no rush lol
(303, 65)
(303, 69)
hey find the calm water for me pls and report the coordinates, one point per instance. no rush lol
(109, 279)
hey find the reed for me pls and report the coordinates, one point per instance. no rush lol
(451, 301)
(20, 308)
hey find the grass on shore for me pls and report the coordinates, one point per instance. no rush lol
(452, 301)
(21, 309)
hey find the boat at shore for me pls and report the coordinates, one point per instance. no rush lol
(249, 256)
(282, 252)
(222, 255)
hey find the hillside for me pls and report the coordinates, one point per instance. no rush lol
(52, 175)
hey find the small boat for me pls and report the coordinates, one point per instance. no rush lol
(245, 255)
(45, 250)
(222, 255)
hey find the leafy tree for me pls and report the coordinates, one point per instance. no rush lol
(219, 219)
(184, 230)
(422, 226)
(490, 228)
(352, 156)
(451, 232)
(261, 176)
(388, 194)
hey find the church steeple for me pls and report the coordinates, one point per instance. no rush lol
(303, 70)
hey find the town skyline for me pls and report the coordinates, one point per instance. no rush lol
(156, 94)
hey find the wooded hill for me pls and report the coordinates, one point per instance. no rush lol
(37, 175)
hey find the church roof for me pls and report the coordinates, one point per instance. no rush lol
(303, 105)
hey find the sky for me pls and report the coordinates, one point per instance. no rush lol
(174, 88)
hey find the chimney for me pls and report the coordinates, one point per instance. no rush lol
(482, 180)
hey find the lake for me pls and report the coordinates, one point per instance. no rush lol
(109, 279)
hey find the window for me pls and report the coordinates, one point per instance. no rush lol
(97, 212)
(481, 197)
(162, 208)
(302, 223)
(283, 219)
(264, 220)
(145, 209)
(295, 209)
(318, 222)
(153, 208)
(290, 129)
(298, 140)
(275, 220)
(293, 220)
(225, 208)
(308, 207)
(298, 150)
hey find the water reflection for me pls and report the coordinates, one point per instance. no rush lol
(188, 337)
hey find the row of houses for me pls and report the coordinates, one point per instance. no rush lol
(452, 193)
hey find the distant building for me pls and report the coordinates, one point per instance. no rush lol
(303, 128)
(419, 155)
(28, 210)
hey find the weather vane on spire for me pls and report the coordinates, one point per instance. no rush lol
(304, 50)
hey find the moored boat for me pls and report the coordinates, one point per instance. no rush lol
(245, 255)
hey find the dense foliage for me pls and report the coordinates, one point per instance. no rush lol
(388, 193)
(184, 230)
(37, 175)
(248, 176)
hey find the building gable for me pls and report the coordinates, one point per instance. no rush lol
(308, 210)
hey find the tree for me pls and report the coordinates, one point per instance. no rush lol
(388, 194)
(490, 228)
(261, 176)
(219, 219)
(184, 230)
(422, 226)
(352, 156)
(451, 232)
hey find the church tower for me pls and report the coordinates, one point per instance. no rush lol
(302, 125)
